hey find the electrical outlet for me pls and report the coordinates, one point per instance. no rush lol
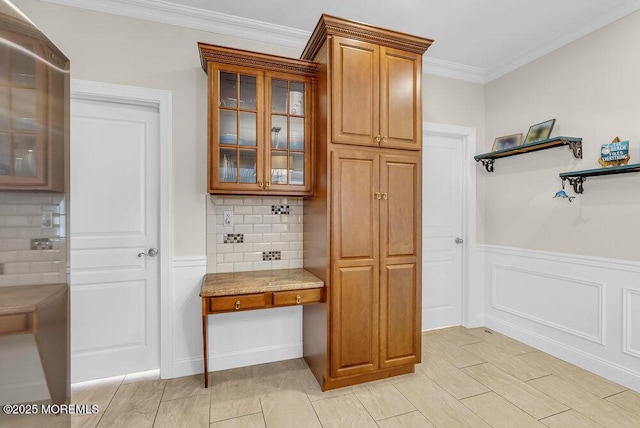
(1, 268)
(227, 218)
(47, 219)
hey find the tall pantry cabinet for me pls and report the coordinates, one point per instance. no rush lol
(363, 224)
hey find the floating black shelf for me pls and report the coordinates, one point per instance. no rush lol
(576, 178)
(487, 159)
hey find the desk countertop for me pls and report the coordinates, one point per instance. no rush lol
(227, 284)
(27, 298)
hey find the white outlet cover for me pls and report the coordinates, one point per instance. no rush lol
(227, 218)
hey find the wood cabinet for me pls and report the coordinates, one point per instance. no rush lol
(260, 121)
(363, 225)
(34, 114)
(375, 95)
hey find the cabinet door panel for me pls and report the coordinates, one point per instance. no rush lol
(400, 249)
(355, 92)
(400, 179)
(354, 320)
(355, 210)
(400, 110)
(399, 335)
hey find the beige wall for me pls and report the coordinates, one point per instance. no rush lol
(115, 49)
(592, 88)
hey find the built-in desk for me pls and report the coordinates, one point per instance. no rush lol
(41, 310)
(245, 291)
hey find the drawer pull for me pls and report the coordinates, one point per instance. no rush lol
(237, 305)
(298, 299)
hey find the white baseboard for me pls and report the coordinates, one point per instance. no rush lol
(249, 357)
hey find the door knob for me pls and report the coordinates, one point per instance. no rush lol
(459, 240)
(151, 253)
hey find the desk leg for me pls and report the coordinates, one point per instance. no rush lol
(52, 339)
(204, 342)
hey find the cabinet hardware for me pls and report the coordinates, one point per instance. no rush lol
(260, 184)
(384, 139)
(237, 305)
(378, 195)
(378, 138)
(298, 299)
(266, 185)
(385, 196)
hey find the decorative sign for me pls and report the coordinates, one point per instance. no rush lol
(615, 153)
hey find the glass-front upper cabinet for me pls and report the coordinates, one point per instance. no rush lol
(33, 90)
(259, 122)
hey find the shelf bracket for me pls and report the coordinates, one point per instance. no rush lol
(576, 182)
(576, 146)
(487, 163)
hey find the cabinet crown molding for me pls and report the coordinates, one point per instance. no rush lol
(224, 55)
(332, 26)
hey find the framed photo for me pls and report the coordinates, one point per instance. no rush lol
(507, 142)
(540, 131)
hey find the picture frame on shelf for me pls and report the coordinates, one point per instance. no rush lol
(539, 131)
(507, 142)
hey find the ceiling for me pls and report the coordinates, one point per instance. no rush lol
(475, 40)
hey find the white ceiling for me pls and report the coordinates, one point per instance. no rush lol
(476, 40)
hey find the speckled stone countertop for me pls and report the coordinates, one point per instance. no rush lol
(27, 298)
(227, 284)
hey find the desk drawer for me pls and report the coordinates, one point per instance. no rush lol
(238, 303)
(297, 297)
(12, 324)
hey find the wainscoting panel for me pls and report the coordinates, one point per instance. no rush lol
(584, 310)
(631, 319)
(550, 300)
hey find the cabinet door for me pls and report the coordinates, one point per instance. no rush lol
(236, 135)
(288, 134)
(400, 109)
(355, 92)
(400, 246)
(355, 266)
(24, 123)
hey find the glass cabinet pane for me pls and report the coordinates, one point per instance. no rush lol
(296, 138)
(5, 154)
(248, 92)
(23, 68)
(279, 167)
(296, 99)
(24, 158)
(278, 132)
(228, 90)
(5, 109)
(4, 65)
(248, 127)
(228, 127)
(247, 166)
(296, 166)
(279, 90)
(23, 109)
(228, 166)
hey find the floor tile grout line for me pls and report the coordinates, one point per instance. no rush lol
(559, 413)
(614, 394)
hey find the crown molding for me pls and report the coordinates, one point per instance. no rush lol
(453, 70)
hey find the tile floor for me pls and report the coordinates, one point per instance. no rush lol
(468, 378)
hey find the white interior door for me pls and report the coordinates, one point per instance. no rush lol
(114, 213)
(442, 226)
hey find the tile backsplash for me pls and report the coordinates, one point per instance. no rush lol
(32, 238)
(266, 233)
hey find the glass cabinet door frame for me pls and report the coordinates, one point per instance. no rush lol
(215, 145)
(40, 87)
(307, 138)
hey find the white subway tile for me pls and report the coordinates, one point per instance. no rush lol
(271, 237)
(271, 218)
(262, 209)
(243, 248)
(9, 280)
(253, 219)
(265, 246)
(289, 237)
(256, 256)
(219, 220)
(242, 267)
(9, 256)
(16, 268)
(8, 209)
(211, 244)
(265, 265)
(280, 246)
(243, 210)
(51, 255)
(217, 200)
(233, 257)
(52, 278)
(224, 248)
(295, 264)
(211, 264)
(30, 279)
(253, 237)
(231, 201)
(224, 267)
(211, 223)
(30, 209)
(295, 228)
(295, 245)
(219, 258)
(280, 227)
(252, 201)
(219, 238)
(42, 267)
(262, 228)
(280, 264)
(9, 232)
(243, 228)
(289, 255)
